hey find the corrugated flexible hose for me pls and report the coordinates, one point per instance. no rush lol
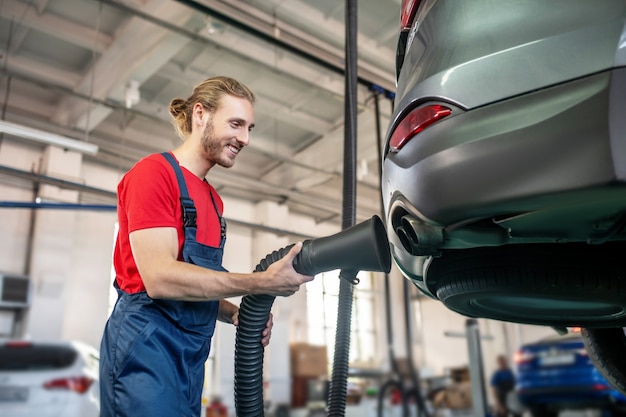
(254, 313)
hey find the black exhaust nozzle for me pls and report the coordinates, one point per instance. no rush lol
(362, 247)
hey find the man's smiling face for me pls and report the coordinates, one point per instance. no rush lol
(227, 130)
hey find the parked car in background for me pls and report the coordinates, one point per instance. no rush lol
(48, 379)
(504, 166)
(556, 374)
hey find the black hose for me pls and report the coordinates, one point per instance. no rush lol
(339, 379)
(254, 313)
(350, 120)
(416, 391)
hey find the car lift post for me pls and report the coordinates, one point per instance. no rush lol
(477, 380)
(475, 359)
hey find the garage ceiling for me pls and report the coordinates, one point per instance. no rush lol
(69, 67)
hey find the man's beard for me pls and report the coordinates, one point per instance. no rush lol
(213, 148)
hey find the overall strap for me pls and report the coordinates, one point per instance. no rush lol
(189, 209)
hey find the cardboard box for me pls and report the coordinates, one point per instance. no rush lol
(457, 396)
(308, 360)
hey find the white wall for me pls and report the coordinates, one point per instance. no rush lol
(71, 250)
(14, 223)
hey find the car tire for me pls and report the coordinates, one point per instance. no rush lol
(544, 284)
(607, 350)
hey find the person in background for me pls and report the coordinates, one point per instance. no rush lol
(502, 383)
(168, 261)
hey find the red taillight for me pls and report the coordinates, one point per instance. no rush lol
(77, 384)
(414, 122)
(407, 13)
(19, 344)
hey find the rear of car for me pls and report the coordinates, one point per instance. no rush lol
(55, 379)
(504, 171)
(556, 374)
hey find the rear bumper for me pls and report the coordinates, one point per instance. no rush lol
(514, 155)
(574, 396)
(548, 166)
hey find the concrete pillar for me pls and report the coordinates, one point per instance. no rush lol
(51, 249)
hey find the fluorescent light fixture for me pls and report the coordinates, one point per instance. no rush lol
(47, 137)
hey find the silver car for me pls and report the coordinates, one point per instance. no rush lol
(504, 171)
(49, 379)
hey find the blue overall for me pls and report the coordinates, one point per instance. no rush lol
(153, 351)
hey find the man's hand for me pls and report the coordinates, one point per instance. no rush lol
(267, 332)
(228, 312)
(281, 279)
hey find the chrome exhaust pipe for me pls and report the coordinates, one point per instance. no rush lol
(418, 238)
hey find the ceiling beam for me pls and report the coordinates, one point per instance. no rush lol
(247, 46)
(23, 66)
(137, 49)
(32, 17)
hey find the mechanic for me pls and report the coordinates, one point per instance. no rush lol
(502, 383)
(168, 261)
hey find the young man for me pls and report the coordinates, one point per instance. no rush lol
(168, 261)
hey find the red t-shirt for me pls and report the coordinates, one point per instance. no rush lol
(148, 196)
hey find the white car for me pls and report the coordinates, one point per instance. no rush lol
(46, 379)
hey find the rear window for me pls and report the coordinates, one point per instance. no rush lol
(36, 358)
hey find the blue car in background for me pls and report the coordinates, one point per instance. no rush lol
(556, 373)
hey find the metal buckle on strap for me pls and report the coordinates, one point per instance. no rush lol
(222, 228)
(189, 212)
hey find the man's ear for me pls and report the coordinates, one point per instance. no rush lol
(198, 114)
